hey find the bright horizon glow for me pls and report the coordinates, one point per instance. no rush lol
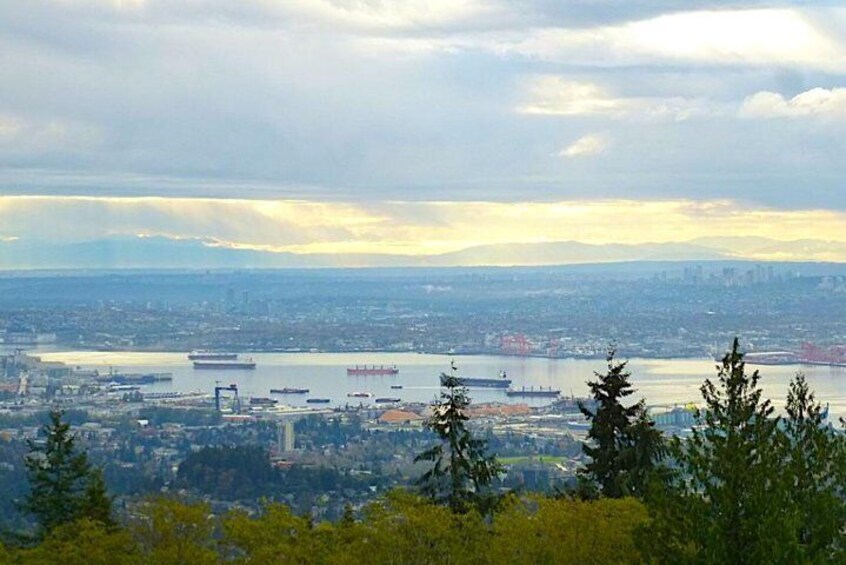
(407, 228)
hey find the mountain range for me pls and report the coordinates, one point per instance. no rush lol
(161, 252)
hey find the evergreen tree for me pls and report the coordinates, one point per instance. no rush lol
(624, 446)
(462, 473)
(815, 475)
(96, 503)
(63, 485)
(729, 503)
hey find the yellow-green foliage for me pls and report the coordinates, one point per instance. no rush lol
(277, 536)
(5, 556)
(405, 529)
(542, 530)
(400, 529)
(171, 532)
(83, 542)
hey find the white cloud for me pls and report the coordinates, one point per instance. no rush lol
(586, 146)
(557, 96)
(817, 102)
(779, 37)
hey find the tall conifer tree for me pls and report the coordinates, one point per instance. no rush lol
(63, 485)
(462, 473)
(623, 444)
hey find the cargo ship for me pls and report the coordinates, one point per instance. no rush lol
(212, 356)
(134, 378)
(248, 364)
(482, 382)
(288, 390)
(372, 370)
(388, 400)
(262, 401)
(318, 400)
(533, 392)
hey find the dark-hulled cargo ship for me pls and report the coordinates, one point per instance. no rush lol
(372, 370)
(482, 382)
(289, 390)
(212, 356)
(533, 392)
(224, 365)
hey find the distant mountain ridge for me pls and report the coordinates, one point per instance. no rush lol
(162, 252)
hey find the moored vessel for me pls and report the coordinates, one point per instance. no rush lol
(533, 392)
(289, 390)
(372, 370)
(482, 382)
(248, 364)
(202, 355)
(262, 401)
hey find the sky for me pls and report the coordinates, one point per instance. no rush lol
(378, 126)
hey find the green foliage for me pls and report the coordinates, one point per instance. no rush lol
(83, 542)
(404, 528)
(541, 530)
(244, 472)
(229, 473)
(624, 445)
(5, 556)
(172, 533)
(728, 503)
(276, 536)
(815, 474)
(461, 472)
(63, 485)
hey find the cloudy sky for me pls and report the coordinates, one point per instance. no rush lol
(397, 126)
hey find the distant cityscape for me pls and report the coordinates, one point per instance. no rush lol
(152, 440)
(649, 310)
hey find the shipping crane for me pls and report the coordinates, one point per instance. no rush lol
(236, 402)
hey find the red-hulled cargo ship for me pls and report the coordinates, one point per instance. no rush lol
(372, 370)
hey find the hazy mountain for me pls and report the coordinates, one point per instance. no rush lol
(573, 252)
(161, 252)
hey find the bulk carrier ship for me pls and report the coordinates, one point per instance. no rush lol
(481, 382)
(247, 364)
(372, 370)
(212, 356)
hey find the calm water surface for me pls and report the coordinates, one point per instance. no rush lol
(659, 381)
